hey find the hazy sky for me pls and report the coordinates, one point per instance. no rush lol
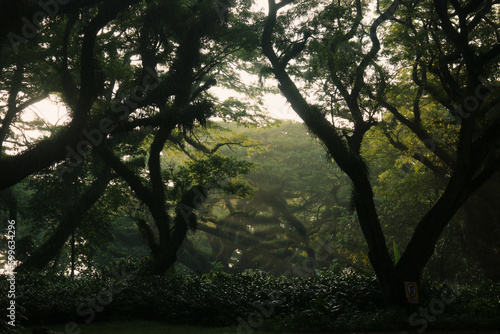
(54, 113)
(276, 104)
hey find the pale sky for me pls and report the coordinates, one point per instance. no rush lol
(54, 113)
(277, 106)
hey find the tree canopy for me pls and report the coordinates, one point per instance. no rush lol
(400, 136)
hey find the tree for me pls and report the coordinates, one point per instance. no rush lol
(80, 98)
(348, 70)
(294, 217)
(117, 103)
(179, 104)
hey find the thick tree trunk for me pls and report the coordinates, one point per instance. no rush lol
(481, 228)
(185, 219)
(390, 279)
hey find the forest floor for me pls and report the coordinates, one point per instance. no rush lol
(153, 327)
(137, 327)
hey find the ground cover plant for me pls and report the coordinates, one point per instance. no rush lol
(334, 300)
(129, 327)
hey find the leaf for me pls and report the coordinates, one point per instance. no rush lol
(397, 256)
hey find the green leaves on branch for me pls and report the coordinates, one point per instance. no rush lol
(218, 173)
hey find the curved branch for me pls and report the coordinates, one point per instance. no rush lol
(54, 149)
(360, 71)
(71, 219)
(157, 184)
(438, 171)
(422, 134)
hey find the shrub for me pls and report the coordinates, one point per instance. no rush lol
(333, 301)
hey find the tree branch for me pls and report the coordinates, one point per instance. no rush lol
(71, 219)
(49, 151)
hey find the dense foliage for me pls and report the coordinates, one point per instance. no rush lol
(166, 153)
(336, 300)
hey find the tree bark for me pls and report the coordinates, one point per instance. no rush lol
(185, 219)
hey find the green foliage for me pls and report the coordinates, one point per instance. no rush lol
(295, 208)
(274, 203)
(397, 256)
(404, 190)
(142, 326)
(336, 300)
(216, 172)
(216, 299)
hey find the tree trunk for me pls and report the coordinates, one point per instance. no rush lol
(390, 279)
(73, 254)
(481, 228)
(185, 219)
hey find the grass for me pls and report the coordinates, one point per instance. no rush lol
(140, 326)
